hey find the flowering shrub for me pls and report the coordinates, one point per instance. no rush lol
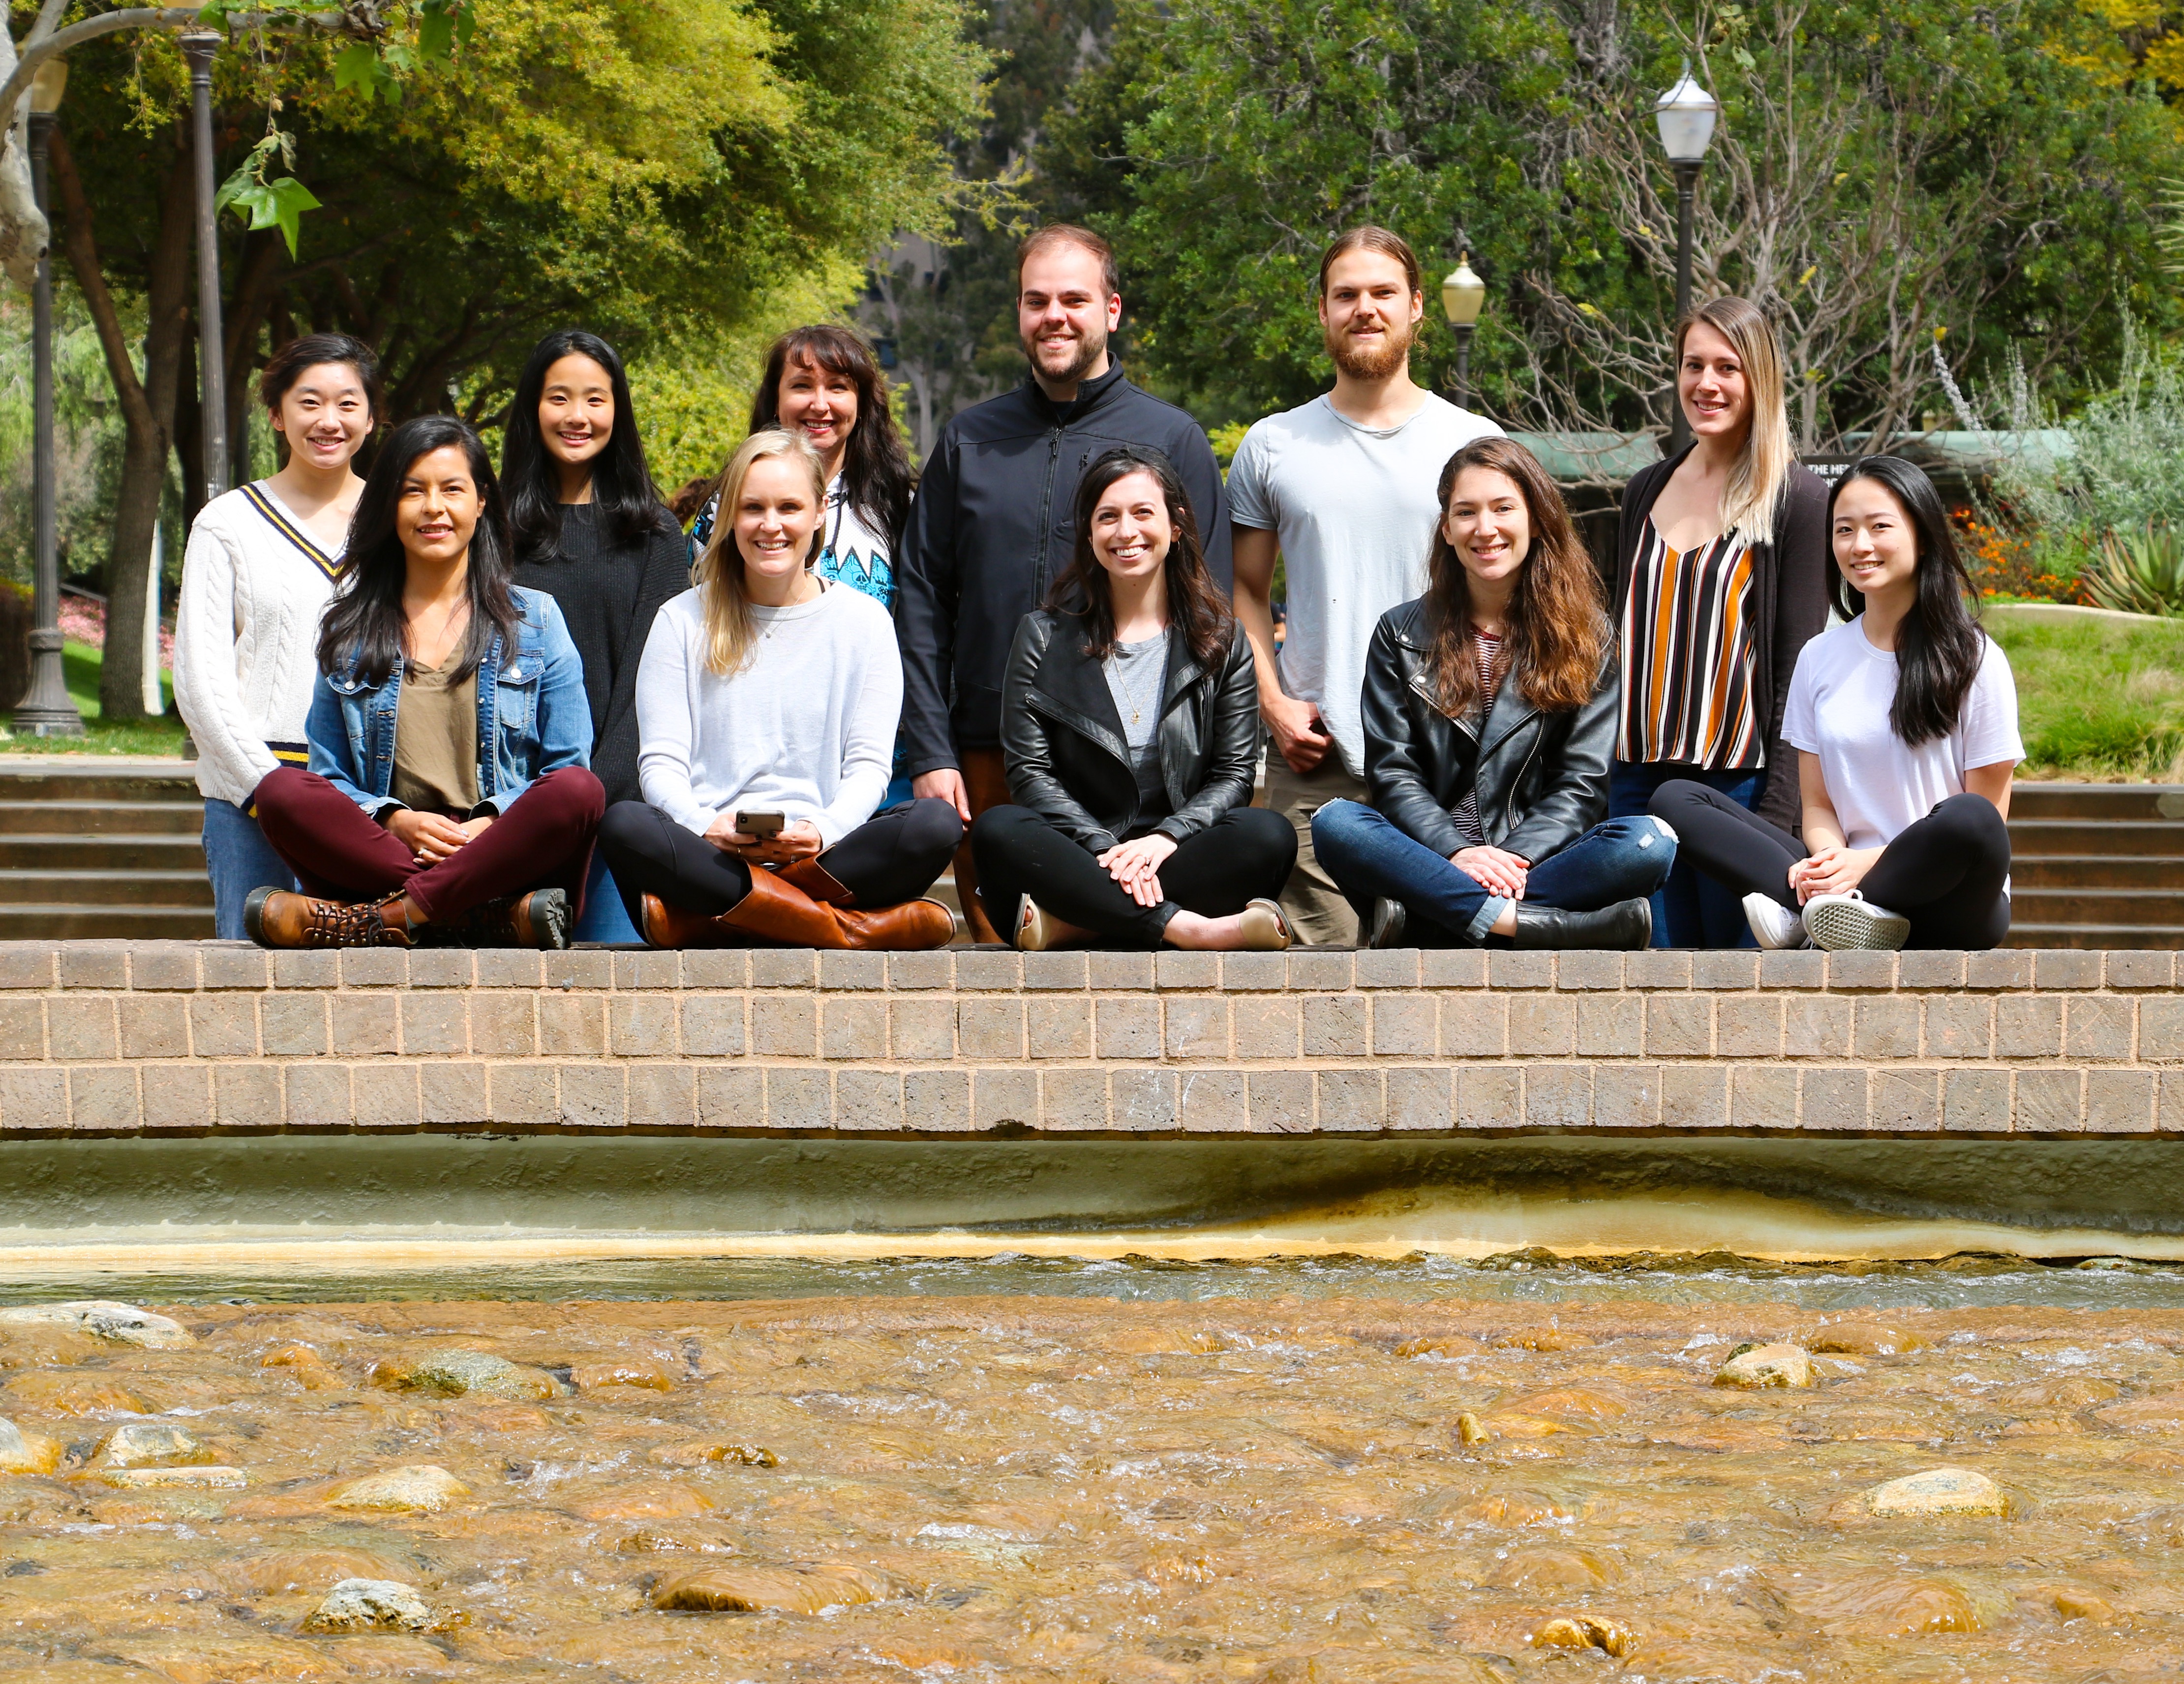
(2012, 565)
(83, 621)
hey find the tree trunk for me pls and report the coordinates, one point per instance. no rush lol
(148, 407)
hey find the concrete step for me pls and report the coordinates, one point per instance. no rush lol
(28, 922)
(39, 851)
(2126, 907)
(2096, 800)
(183, 889)
(2079, 837)
(31, 777)
(2139, 937)
(2073, 872)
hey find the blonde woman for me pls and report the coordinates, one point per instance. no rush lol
(767, 705)
(1721, 577)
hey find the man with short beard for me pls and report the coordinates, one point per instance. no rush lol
(1344, 489)
(992, 527)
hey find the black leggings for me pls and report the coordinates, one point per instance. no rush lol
(890, 858)
(1245, 855)
(1945, 873)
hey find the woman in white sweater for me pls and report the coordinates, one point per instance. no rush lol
(257, 575)
(766, 706)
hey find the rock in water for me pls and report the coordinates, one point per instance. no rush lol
(371, 1605)
(422, 1487)
(1864, 1339)
(102, 1319)
(1940, 1490)
(175, 1478)
(27, 1452)
(478, 1374)
(1756, 1367)
(143, 1443)
(747, 1590)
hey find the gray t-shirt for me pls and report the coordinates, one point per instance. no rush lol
(1353, 508)
(1137, 678)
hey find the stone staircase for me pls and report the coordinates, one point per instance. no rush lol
(2096, 865)
(101, 848)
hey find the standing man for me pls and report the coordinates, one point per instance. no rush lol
(1343, 487)
(991, 528)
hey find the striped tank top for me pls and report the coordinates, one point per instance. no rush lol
(1486, 651)
(1688, 656)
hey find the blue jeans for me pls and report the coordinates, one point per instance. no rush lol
(604, 918)
(237, 859)
(1691, 909)
(1369, 859)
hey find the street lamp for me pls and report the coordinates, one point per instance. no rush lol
(1686, 115)
(46, 711)
(1460, 296)
(198, 47)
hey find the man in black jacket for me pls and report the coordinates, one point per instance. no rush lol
(991, 528)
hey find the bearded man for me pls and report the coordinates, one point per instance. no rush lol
(1344, 489)
(992, 527)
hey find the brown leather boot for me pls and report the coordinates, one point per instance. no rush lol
(911, 926)
(277, 917)
(784, 914)
(539, 919)
(817, 882)
(666, 926)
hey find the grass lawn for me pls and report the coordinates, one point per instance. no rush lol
(82, 664)
(2098, 699)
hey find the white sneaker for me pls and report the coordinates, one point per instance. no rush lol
(1838, 922)
(1774, 924)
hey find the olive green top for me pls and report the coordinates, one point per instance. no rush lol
(435, 740)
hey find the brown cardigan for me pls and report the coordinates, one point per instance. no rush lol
(1791, 572)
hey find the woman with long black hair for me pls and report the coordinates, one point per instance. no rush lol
(590, 531)
(1489, 709)
(447, 797)
(1130, 734)
(1904, 721)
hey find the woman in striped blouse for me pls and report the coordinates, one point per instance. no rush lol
(1721, 577)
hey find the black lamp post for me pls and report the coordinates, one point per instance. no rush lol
(198, 47)
(1686, 115)
(48, 710)
(1460, 296)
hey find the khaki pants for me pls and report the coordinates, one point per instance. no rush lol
(1317, 910)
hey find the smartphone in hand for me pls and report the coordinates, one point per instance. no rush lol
(762, 827)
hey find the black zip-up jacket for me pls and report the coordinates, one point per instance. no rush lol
(992, 528)
(1069, 762)
(1542, 778)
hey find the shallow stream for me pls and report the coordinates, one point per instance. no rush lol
(1275, 1472)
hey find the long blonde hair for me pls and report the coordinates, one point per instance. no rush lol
(1755, 484)
(719, 573)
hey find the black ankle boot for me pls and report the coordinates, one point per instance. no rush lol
(1627, 926)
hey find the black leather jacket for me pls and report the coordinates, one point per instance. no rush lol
(1542, 778)
(1062, 742)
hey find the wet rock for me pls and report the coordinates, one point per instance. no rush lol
(102, 1319)
(288, 1571)
(1762, 1367)
(1585, 1632)
(1864, 1339)
(476, 1374)
(27, 1452)
(1440, 1345)
(708, 1537)
(202, 1658)
(1939, 1491)
(1543, 1339)
(1553, 1569)
(2162, 1412)
(372, 1605)
(660, 1503)
(1515, 1423)
(421, 1488)
(1574, 1403)
(141, 1444)
(176, 1479)
(711, 1450)
(1893, 1604)
(645, 1375)
(1518, 1508)
(2082, 1605)
(70, 1394)
(1468, 1430)
(747, 1590)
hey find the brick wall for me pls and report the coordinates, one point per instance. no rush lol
(164, 1037)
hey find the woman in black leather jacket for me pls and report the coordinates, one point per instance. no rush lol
(1130, 733)
(1489, 709)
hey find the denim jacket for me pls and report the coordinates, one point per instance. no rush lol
(533, 716)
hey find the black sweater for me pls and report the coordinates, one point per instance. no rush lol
(609, 592)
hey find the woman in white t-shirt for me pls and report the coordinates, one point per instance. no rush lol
(1905, 720)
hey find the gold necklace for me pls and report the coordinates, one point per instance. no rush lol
(1115, 672)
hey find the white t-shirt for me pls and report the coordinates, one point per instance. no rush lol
(1353, 508)
(806, 729)
(1838, 709)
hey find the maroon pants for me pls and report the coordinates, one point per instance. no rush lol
(543, 841)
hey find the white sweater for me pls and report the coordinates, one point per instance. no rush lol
(806, 729)
(246, 640)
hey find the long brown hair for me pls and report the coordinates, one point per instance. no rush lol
(1556, 631)
(876, 470)
(1195, 607)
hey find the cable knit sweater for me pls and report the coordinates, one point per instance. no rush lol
(246, 635)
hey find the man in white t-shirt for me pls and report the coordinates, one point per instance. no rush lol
(1342, 488)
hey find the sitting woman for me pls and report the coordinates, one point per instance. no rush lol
(1130, 733)
(447, 797)
(1490, 708)
(1905, 722)
(766, 704)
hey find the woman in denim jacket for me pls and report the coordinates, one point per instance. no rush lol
(449, 799)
